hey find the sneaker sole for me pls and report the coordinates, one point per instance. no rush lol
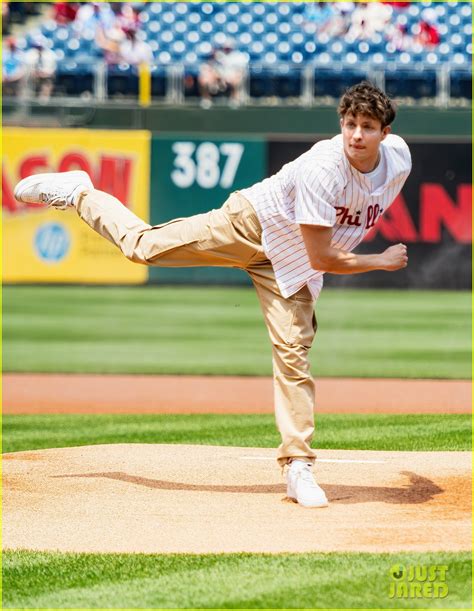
(318, 506)
(295, 500)
(26, 183)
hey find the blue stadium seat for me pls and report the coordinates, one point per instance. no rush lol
(461, 83)
(283, 82)
(411, 83)
(256, 51)
(208, 8)
(163, 57)
(311, 48)
(232, 8)
(289, 82)
(333, 81)
(155, 8)
(74, 78)
(122, 80)
(49, 28)
(158, 82)
(180, 8)
(284, 51)
(153, 27)
(191, 86)
(258, 9)
(72, 47)
(260, 82)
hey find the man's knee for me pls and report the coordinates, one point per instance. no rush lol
(292, 360)
(133, 247)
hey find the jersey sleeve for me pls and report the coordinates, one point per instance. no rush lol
(316, 195)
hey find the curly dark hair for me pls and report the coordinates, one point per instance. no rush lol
(367, 99)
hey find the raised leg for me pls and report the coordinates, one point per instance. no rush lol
(216, 238)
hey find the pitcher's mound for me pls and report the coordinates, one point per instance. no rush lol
(176, 498)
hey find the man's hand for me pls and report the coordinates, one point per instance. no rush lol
(394, 258)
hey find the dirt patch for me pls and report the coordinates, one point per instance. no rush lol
(174, 498)
(139, 394)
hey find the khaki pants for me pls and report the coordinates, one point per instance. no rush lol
(229, 237)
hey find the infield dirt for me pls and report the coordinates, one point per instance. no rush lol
(177, 498)
(141, 394)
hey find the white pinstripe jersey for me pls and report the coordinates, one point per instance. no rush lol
(322, 188)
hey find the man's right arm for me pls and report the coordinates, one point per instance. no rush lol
(326, 258)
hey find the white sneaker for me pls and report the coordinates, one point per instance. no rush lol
(302, 486)
(57, 190)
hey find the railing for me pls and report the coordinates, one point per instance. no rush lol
(177, 84)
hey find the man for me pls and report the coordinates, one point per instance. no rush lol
(286, 232)
(224, 71)
(134, 51)
(42, 64)
(13, 69)
(368, 19)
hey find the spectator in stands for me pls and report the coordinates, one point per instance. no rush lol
(342, 18)
(95, 16)
(13, 69)
(223, 73)
(398, 5)
(125, 16)
(118, 39)
(399, 36)
(427, 33)
(134, 51)
(5, 18)
(41, 64)
(319, 16)
(65, 12)
(368, 19)
(109, 42)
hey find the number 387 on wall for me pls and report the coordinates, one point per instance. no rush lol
(206, 164)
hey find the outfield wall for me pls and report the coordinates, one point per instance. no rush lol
(168, 175)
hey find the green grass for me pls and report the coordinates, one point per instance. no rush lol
(368, 432)
(53, 580)
(220, 331)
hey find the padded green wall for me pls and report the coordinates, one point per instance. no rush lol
(191, 175)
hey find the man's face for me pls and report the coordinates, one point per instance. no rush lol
(362, 136)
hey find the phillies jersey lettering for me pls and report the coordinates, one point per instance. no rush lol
(343, 217)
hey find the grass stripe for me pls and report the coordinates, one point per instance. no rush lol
(220, 331)
(344, 431)
(355, 580)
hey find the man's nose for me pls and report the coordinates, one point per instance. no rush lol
(357, 135)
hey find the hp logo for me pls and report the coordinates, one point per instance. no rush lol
(52, 242)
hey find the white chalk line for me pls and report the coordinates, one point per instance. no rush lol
(332, 460)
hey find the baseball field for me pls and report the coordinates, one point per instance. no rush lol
(136, 475)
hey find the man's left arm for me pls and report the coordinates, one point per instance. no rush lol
(325, 257)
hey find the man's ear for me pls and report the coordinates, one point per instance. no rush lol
(386, 131)
(341, 121)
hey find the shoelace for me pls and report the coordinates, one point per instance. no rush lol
(53, 198)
